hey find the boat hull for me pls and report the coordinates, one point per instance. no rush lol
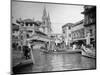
(88, 53)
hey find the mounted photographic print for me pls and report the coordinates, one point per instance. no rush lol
(52, 37)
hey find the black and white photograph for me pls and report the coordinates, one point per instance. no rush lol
(52, 37)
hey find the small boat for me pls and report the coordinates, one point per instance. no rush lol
(88, 52)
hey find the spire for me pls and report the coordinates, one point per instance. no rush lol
(44, 13)
(48, 17)
(46, 20)
(49, 23)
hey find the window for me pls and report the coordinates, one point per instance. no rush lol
(63, 31)
(69, 35)
(69, 27)
(22, 24)
(91, 32)
(31, 24)
(26, 24)
(27, 35)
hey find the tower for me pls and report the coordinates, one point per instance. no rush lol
(49, 24)
(44, 16)
(46, 23)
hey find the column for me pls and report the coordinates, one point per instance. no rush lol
(88, 38)
(49, 46)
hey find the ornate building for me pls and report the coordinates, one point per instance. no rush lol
(77, 32)
(27, 29)
(74, 32)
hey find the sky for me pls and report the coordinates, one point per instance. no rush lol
(59, 14)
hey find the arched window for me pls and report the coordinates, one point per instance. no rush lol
(26, 24)
(27, 35)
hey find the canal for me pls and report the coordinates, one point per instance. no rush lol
(59, 62)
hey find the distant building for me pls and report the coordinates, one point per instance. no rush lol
(57, 41)
(77, 32)
(90, 24)
(46, 23)
(56, 37)
(66, 29)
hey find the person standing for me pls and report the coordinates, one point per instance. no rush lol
(25, 51)
(31, 52)
(74, 46)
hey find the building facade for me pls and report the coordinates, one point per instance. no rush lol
(78, 33)
(77, 30)
(66, 29)
(15, 36)
(74, 32)
(90, 24)
(27, 28)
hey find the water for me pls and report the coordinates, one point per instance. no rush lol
(59, 62)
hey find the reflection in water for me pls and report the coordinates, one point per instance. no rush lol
(58, 62)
